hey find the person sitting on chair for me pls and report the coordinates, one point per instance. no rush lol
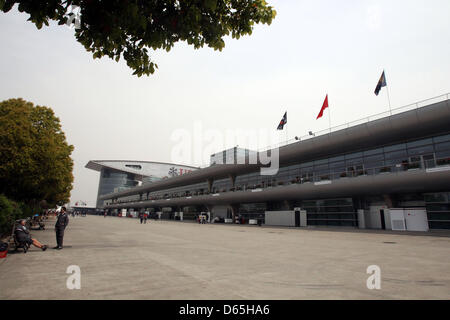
(23, 236)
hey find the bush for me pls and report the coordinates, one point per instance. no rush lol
(6, 211)
(10, 211)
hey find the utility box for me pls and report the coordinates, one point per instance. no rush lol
(411, 219)
(416, 219)
(281, 218)
(397, 219)
(303, 218)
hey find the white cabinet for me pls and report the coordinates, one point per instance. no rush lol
(397, 219)
(416, 219)
(411, 219)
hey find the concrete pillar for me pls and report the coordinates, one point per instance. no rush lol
(232, 179)
(287, 205)
(389, 200)
(179, 212)
(209, 208)
(361, 219)
(234, 211)
(210, 184)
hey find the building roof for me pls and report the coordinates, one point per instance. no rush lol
(97, 165)
(140, 168)
(415, 123)
(408, 181)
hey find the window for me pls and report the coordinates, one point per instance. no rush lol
(354, 155)
(306, 174)
(442, 146)
(396, 147)
(419, 143)
(373, 151)
(375, 159)
(335, 159)
(396, 155)
(441, 138)
(337, 165)
(353, 162)
(320, 162)
(421, 150)
(319, 168)
(106, 173)
(306, 165)
(443, 155)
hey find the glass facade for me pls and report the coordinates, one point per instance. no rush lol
(111, 180)
(410, 155)
(438, 210)
(192, 212)
(249, 211)
(222, 185)
(424, 153)
(330, 212)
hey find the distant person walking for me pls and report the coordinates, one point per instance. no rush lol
(145, 217)
(105, 214)
(141, 217)
(61, 223)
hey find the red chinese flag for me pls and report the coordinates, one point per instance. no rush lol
(325, 105)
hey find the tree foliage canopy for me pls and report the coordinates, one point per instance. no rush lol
(35, 161)
(129, 28)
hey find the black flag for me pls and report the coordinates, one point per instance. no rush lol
(381, 83)
(282, 122)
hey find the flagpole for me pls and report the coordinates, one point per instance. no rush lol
(286, 129)
(389, 99)
(329, 115)
(286, 135)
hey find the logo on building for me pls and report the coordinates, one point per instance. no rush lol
(173, 172)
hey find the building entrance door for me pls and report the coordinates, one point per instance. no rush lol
(297, 218)
(383, 222)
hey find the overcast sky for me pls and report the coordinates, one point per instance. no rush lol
(311, 48)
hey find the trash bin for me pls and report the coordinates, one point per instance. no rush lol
(3, 250)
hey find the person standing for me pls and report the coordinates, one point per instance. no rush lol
(145, 217)
(141, 217)
(60, 226)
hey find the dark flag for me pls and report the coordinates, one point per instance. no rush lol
(324, 106)
(282, 122)
(381, 83)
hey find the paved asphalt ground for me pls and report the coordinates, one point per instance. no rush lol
(121, 259)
